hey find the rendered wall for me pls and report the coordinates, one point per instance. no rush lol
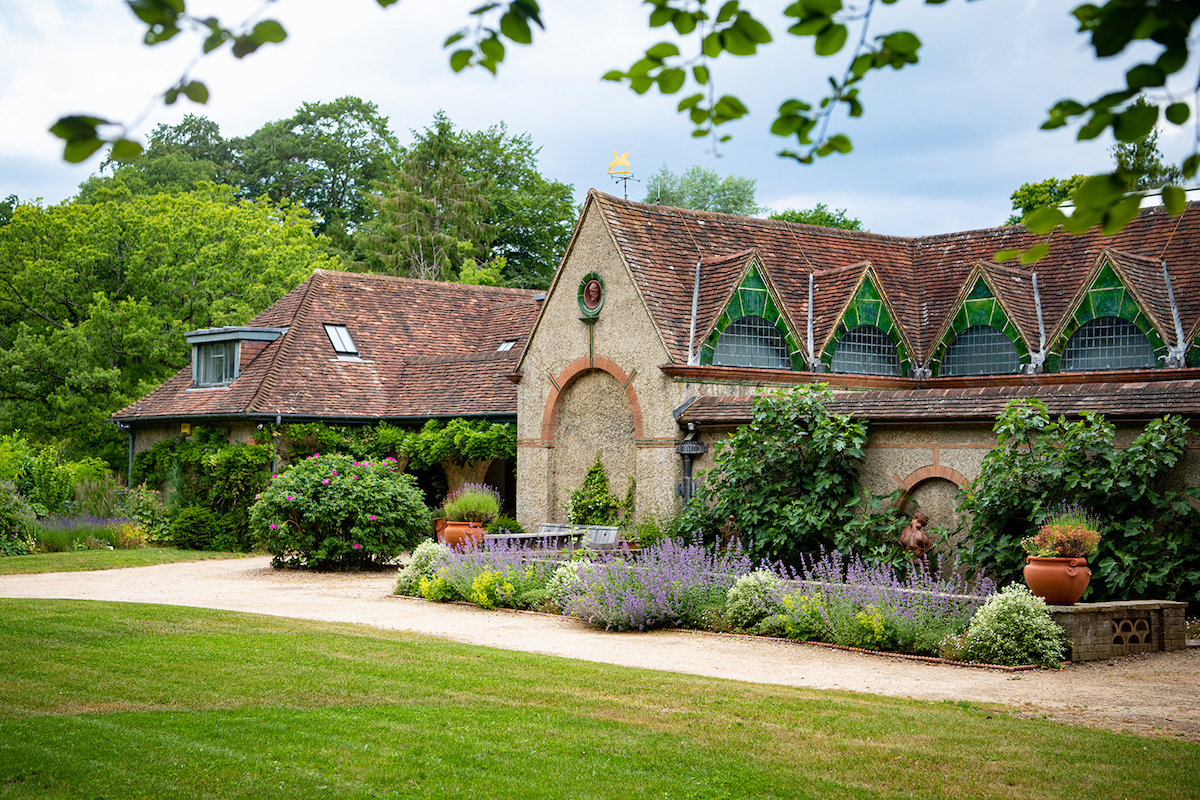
(588, 388)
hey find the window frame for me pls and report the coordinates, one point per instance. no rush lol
(780, 354)
(1087, 329)
(995, 340)
(842, 342)
(339, 348)
(202, 363)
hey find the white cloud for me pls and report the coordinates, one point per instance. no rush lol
(941, 145)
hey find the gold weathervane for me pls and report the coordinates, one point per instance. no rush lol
(619, 165)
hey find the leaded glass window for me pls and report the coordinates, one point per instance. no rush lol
(866, 350)
(752, 342)
(1108, 343)
(981, 350)
(216, 363)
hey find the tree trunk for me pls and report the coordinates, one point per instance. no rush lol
(459, 474)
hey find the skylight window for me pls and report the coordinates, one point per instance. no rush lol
(339, 337)
(508, 345)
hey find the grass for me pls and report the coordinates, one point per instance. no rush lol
(85, 560)
(139, 701)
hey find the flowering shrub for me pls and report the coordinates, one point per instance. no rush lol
(334, 512)
(670, 584)
(61, 533)
(802, 617)
(423, 563)
(1069, 533)
(753, 598)
(864, 605)
(516, 580)
(1015, 628)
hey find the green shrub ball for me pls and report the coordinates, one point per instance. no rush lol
(1015, 628)
(332, 512)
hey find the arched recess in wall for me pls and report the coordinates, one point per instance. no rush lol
(593, 409)
(934, 490)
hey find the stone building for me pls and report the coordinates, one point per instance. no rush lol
(661, 324)
(349, 348)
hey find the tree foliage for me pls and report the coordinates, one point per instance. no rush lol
(702, 189)
(462, 441)
(324, 157)
(788, 481)
(1149, 529)
(457, 197)
(1050, 192)
(95, 299)
(429, 212)
(178, 158)
(820, 215)
(1139, 163)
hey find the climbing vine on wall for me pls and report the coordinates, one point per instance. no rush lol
(1150, 531)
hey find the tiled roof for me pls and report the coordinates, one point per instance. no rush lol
(922, 276)
(1133, 400)
(425, 349)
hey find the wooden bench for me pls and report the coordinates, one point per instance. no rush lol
(558, 535)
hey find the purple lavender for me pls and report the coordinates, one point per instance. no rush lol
(667, 585)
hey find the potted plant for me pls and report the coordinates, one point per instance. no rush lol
(468, 509)
(1056, 565)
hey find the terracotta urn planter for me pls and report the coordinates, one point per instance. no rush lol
(1058, 581)
(460, 535)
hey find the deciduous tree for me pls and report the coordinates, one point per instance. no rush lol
(820, 215)
(703, 189)
(95, 299)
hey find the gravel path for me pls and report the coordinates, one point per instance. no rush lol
(1148, 695)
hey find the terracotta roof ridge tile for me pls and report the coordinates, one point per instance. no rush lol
(760, 221)
(739, 255)
(459, 358)
(857, 266)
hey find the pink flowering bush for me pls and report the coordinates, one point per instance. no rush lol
(332, 512)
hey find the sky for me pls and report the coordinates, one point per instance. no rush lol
(940, 147)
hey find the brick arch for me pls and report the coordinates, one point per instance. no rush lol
(563, 381)
(919, 476)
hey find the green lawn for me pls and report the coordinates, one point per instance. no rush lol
(137, 701)
(82, 560)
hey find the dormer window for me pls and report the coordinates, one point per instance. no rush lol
(217, 352)
(339, 337)
(217, 363)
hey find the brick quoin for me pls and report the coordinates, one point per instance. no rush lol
(569, 376)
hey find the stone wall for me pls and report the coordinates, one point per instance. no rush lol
(1121, 628)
